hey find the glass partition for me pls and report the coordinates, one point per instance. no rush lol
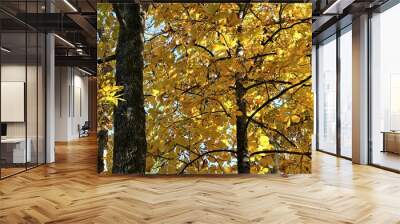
(14, 146)
(327, 95)
(385, 89)
(346, 92)
(22, 88)
(32, 97)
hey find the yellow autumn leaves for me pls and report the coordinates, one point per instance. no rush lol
(191, 72)
(211, 45)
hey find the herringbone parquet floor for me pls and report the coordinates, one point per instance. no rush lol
(70, 191)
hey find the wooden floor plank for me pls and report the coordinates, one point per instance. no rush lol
(70, 191)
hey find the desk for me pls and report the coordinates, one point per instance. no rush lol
(13, 150)
(391, 141)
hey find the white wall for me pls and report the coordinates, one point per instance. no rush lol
(33, 127)
(80, 111)
(62, 81)
(16, 73)
(71, 102)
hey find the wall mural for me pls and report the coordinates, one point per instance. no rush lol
(216, 88)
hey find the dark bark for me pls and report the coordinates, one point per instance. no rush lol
(130, 144)
(106, 59)
(241, 129)
(102, 142)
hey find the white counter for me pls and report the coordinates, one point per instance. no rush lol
(18, 145)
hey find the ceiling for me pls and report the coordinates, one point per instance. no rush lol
(73, 22)
(332, 15)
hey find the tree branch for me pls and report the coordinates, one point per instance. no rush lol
(274, 130)
(261, 82)
(308, 154)
(222, 106)
(155, 36)
(270, 38)
(261, 55)
(212, 54)
(205, 97)
(195, 116)
(254, 14)
(189, 89)
(275, 97)
(204, 48)
(106, 59)
(201, 155)
(223, 58)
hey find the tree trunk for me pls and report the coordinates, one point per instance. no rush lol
(241, 130)
(102, 142)
(130, 144)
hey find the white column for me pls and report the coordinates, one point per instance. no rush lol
(360, 90)
(314, 88)
(50, 94)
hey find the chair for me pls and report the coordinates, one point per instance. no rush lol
(84, 130)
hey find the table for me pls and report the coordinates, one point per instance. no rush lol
(13, 150)
(391, 141)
